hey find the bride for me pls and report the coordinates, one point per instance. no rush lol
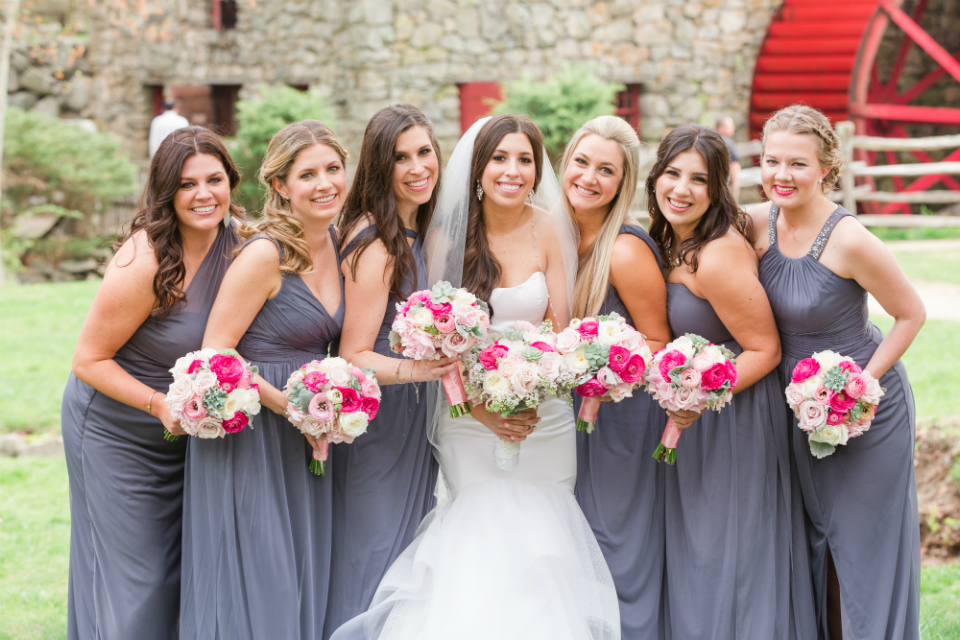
(507, 553)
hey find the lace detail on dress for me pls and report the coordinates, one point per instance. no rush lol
(817, 249)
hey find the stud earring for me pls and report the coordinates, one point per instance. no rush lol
(479, 191)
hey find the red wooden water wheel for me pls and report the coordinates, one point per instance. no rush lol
(829, 55)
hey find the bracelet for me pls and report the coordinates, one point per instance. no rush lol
(396, 372)
(150, 400)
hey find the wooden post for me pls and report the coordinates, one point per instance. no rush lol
(845, 130)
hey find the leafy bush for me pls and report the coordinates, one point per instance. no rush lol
(259, 120)
(51, 166)
(561, 104)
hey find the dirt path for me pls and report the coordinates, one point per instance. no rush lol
(942, 299)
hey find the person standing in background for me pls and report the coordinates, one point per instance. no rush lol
(165, 124)
(726, 128)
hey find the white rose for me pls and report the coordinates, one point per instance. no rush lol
(684, 345)
(464, 297)
(331, 364)
(809, 386)
(206, 354)
(576, 362)
(568, 340)
(714, 354)
(873, 393)
(620, 392)
(608, 332)
(831, 434)
(249, 401)
(549, 364)
(495, 384)
(339, 378)
(233, 403)
(827, 360)
(354, 424)
(208, 428)
(631, 340)
(181, 365)
(205, 381)
(508, 367)
(180, 391)
(525, 379)
(421, 317)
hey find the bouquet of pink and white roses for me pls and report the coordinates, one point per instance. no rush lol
(444, 321)
(617, 356)
(212, 394)
(834, 400)
(333, 401)
(689, 374)
(520, 370)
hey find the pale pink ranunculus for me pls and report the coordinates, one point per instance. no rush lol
(822, 395)
(701, 362)
(321, 408)
(227, 368)
(856, 385)
(370, 389)
(834, 418)
(589, 328)
(850, 367)
(204, 381)
(665, 394)
(525, 379)
(236, 423)
(633, 371)
(686, 399)
(193, 409)
(669, 361)
(357, 373)
(794, 395)
(180, 391)
(608, 377)
(714, 377)
(805, 368)
(568, 340)
(245, 379)
(690, 378)
(445, 323)
(483, 319)
(454, 344)
(811, 415)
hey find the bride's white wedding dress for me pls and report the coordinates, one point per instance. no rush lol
(508, 554)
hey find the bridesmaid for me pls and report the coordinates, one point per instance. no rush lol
(730, 533)
(126, 480)
(383, 483)
(257, 523)
(619, 484)
(817, 265)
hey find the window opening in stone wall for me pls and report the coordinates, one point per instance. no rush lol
(210, 106)
(225, 97)
(477, 100)
(224, 13)
(156, 98)
(628, 106)
(302, 88)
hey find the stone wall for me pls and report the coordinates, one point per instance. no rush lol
(59, 90)
(693, 58)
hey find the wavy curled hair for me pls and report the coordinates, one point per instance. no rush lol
(277, 219)
(481, 270)
(157, 217)
(372, 196)
(723, 211)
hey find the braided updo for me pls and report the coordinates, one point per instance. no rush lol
(806, 121)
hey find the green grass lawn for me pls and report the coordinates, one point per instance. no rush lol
(39, 326)
(942, 266)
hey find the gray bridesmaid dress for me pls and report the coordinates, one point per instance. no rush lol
(861, 501)
(730, 531)
(620, 490)
(383, 483)
(257, 523)
(126, 481)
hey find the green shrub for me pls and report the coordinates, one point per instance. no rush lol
(561, 104)
(259, 120)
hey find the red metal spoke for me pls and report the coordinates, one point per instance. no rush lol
(894, 77)
(922, 38)
(923, 84)
(948, 181)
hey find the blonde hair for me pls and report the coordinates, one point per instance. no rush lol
(801, 120)
(593, 270)
(277, 219)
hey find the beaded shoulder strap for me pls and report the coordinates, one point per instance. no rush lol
(772, 224)
(817, 249)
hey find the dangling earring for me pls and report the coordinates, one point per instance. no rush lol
(530, 196)
(479, 191)
(226, 219)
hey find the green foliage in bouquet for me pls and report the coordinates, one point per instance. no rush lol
(562, 103)
(258, 120)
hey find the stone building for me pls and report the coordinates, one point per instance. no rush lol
(681, 60)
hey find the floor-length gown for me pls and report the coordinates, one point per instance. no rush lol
(509, 555)
(862, 499)
(383, 482)
(731, 535)
(620, 489)
(126, 481)
(257, 523)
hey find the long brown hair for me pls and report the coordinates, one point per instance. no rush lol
(481, 270)
(157, 216)
(277, 219)
(372, 195)
(723, 211)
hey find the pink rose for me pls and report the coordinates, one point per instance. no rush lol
(589, 329)
(732, 375)
(686, 399)
(634, 369)
(454, 344)
(822, 395)
(236, 423)
(591, 389)
(320, 408)
(714, 377)
(690, 378)
(618, 358)
(850, 367)
(370, 406)
(370, 388)
(351, 399)
(466, 315)
(856, 385)
(227, 368)
(794, 395)
(841, 402)
(445, 323)
(193, 409)
(442, 309)
(811, 415)
(568, 340)
(805, 368)
(543, 346)
(195, 366)
(833, 418)
(483, 319)
(665, 394)
(670, 361)
(489, 356)
(245, 379)
(314, 380)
